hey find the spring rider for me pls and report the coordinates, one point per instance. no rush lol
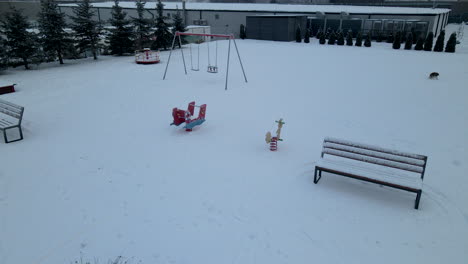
(185, 116)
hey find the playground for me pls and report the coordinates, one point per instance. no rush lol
(101, 172)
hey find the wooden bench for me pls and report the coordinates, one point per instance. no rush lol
(404, 171)
(10, 117)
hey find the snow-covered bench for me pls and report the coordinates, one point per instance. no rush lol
(378, 165)
(10, 117)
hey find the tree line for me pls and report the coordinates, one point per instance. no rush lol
(421, 43)
(53, 39)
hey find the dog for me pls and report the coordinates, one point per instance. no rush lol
(434, 76)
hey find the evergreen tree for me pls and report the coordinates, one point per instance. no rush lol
(367, 41)
(307, 36)
(163, 36)
(242, 34)
(20, 44)
(86, 29)
(358, 40)
(51, 26)
(379, 37)
(429, 41)
(319, 33)
(349, 38)
(322, 38)
(397, 41)
(439, 46)
(298, 35)
(409, 41)
(390, 38)
(178, 25)
(120, 38)
(340, 39)
(3, 54)
(451, 43)
(142, 26)
(419, 43)
(332, 38)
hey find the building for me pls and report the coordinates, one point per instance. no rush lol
(226, 18)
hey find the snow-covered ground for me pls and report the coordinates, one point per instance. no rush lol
(101, 173)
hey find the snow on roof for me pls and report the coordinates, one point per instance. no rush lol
(282, 8)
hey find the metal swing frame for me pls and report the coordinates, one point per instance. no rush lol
(230, 37)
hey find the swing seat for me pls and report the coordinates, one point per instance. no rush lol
(212, 69)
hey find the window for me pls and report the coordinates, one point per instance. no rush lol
(216, 16)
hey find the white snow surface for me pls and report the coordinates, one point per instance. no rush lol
(101, 174)
(281, 7)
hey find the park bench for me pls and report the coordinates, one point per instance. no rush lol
(10, 117)
(404, 171)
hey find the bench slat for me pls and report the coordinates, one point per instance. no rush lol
(377, 161)
(10, 113)
(10, 104)
(375, 154)
(374, 148)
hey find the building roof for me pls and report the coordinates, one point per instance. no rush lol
(288, 8)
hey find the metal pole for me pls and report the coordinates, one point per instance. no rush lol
(181, 50)
(238, 55)
(227, 68)
(169, 59)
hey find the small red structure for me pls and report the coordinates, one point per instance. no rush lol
(147, 56)
(7, 88)
(182, 116)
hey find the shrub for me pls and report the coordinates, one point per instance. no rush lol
(429, 41)
(451, 43)
(439, 46)
(358, 40)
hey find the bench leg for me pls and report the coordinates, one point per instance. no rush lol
(316, 180)
(20, 132)
(418, 197)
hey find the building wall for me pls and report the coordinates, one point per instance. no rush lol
(225, 22)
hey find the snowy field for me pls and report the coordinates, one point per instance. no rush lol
(101, 174)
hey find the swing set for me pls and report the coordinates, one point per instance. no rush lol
(212, 68)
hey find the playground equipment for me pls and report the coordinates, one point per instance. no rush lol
(147, 56)
(182, 116)
(273, 141)
(211, 68)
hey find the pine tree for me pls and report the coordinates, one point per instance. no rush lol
(332, 38)
(349, 38)
(451, 43)
(307, 36)
(298, 35)
(358, 40)
(429, 41)
(142, 26)
(3, 54)
(379, 37)
(390, 38)
(86, 30)
(242, 34)
(367, 41)
(322, 38)
(163, 36)
(439, 46)
(340, 39)
(319, 33)
(20, 43)
(120, 38)
(409, 41)
(178, 25)
(419, 43)
(51, 26)
(397, 41)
